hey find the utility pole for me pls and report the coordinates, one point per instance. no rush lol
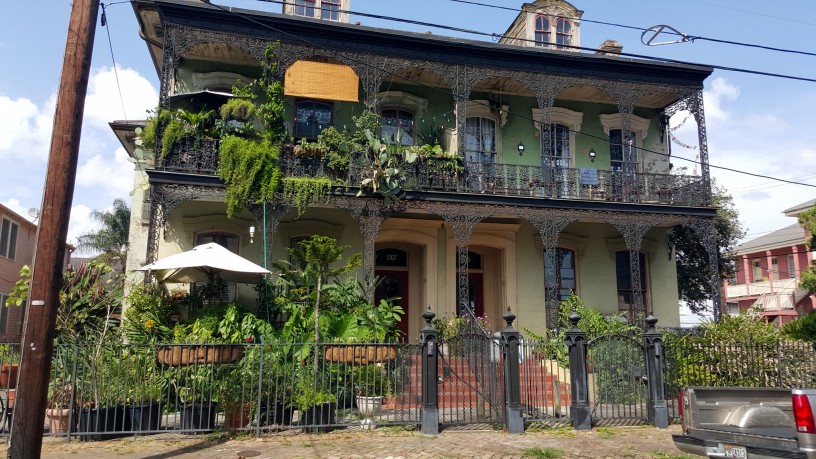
(46, 278)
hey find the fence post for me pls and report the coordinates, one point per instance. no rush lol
(653, 342)
(513, 420)
(430, 375)
(576, 343)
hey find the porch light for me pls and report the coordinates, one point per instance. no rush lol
(592, 155)
(521, 149)
(251, 234)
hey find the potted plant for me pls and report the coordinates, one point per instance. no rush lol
(146, 390)
(197, 391)
(234, 397)
(62, 399)
(317, 408)
(370, 385)
(10, 359)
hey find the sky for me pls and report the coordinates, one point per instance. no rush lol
(754, 123)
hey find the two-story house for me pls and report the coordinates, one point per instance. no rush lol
(17, 240)
(566, 181)
(768, 272)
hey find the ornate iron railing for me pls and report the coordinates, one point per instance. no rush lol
(201, 156)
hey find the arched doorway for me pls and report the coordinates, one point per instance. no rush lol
(392, 269)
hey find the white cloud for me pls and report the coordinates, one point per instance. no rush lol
(81, 222)
(25, 133)
(104, 104)
(113, 175)
(714, 97)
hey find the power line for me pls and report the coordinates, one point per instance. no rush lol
(449, 93)
(104, 22)
(782, 18)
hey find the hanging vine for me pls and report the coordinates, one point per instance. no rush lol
(249, 169)
(304, 191)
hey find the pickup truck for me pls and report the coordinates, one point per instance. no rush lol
(751, 423)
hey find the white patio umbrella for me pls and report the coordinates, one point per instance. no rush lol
(204, 262)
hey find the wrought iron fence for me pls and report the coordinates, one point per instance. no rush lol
(103, 390)
(545, 382)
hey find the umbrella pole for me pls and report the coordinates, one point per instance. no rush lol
(266, 284)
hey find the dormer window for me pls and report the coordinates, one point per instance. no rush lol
(330, 10)
(542, 30)
(563, 33)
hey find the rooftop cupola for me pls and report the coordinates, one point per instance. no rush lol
(330, 10)
(553, 24)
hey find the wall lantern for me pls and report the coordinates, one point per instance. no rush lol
(251, 234)
(521, 149)
(592, 155)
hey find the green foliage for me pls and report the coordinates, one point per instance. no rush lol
(371, 381)
(237, 109)
(380, 322)
(224, 323)
(304, 191)
(250, 172)
(430, 134)
(145, 319)
(807, 280)
(693, 269)
(90, 295)
(386, 164)
(808, 221)
(803, 328)
(112, 239)
(19, 293)
(266, 93)
(542, 453)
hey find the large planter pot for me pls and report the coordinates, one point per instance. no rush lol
(360, 354)
(99, 423)
(58, 419)
(145, 417)
(8, 376)
(277, 414)
(368, 408)
(237, 417)
(199, 416)
(319, 418)
(181, 355)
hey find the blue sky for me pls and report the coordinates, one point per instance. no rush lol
(755, 123)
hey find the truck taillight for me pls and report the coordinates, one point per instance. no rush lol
(803, 414)
(680, 404)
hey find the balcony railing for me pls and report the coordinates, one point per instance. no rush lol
(476, 177)
(786, 286)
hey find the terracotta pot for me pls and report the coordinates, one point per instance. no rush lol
(181, 355)
(8, 376)
(360, 354)
(238, 417)
(58, 419)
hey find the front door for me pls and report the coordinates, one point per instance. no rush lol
(475, 296)
(394, 287)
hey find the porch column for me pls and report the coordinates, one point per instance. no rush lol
(633, 232)
(461, 80)
(704, 228)
(462, 220)
(797, 270)
(771, 273)
(370, 218)
(576, 341)
(546, 88)
(653, 344)
(749, 274)
(372, 72)
(625, 96)
(548, 230)
(696, 108)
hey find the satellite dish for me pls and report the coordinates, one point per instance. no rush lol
(34, 212)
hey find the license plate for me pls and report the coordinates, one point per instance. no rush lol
(735, 451)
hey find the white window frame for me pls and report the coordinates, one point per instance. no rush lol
(792, 266)
(398, 100)
(559, 115)
(290, 7)
(9, 249)
(638, 126)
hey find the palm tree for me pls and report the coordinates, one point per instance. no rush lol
(111, 240)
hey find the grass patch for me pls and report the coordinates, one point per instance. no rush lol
(567, 432)
(664, 455)
(605, 432)
(542, 453)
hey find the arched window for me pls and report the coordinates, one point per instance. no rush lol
(305, 8)
(563, 33)
(623, 273)
(564, 272)
(397, 126)
(311, 117)
(542, 30)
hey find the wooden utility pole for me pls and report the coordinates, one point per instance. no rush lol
(46, 277)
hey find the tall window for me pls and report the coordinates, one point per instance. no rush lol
(623, 273)
(774, 274)
(480, 139)
(791, 266)
(311, 117)
(331, 10)
(564, 272)
(226, 290)
(305, 8)
(563, 33)
(397, 126)
(8, 239)
(757, 270)
(616, 149)
(542, 30)
(557, 153)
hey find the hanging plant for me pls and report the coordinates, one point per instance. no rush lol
(304, 191)
(249, 169)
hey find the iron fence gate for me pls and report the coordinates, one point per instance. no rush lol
(471, 379)
(618, 384)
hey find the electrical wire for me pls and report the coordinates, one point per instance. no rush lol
(450, 93)
(104, 21)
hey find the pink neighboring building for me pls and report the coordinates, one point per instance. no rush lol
(17, 241)
(768, 271)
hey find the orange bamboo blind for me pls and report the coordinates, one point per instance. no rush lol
(320, 80)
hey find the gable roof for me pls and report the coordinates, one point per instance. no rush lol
(785, 237)
(799, 208)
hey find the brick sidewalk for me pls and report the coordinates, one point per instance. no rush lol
(612, 442)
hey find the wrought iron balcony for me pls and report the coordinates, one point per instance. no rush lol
(474, 177)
